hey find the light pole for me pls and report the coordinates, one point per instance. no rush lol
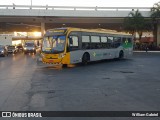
(31, 3)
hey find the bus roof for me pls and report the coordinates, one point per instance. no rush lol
(98, 30)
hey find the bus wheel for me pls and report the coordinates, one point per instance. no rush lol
(121, 54)
(85, 58)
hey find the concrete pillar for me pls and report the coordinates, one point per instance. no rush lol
(42, 28)
(158, 34)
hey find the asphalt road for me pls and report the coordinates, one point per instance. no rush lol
(126, 85)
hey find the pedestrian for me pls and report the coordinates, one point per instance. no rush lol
(146, 48)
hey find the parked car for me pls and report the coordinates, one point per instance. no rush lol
(12, 49)
(29, 48)
(3, 51)
(20, 48)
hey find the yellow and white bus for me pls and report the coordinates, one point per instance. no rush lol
(75, 45)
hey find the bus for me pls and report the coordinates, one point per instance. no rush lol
(76, 45)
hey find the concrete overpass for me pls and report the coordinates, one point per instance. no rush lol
(31, 18)
(40, 18)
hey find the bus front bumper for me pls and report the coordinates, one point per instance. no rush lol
(52, 61)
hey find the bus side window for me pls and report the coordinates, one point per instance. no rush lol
(117, 42)
(104, 42)
(110, 42)
(85, 42)
(125, 41)
(73, 42)
(129, 40)
(95, 42)
(70, 41)
(85, 46)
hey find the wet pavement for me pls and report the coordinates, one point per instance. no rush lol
(111, 85)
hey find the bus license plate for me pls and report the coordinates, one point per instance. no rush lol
(50, 61)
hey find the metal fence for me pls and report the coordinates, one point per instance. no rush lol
(74, 8)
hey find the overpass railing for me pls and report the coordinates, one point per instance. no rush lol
(74, 8)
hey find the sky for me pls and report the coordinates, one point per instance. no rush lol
(92, 3)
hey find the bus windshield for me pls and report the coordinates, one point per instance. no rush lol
(53, 44)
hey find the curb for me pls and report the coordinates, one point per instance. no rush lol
(147, 51)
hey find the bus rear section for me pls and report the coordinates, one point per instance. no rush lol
(89, 45)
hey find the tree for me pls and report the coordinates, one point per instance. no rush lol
(135, 22)
(155, 15)
(155, 11)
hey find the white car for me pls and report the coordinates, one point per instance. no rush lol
(3, 51)
(29, 48)
(12, 49)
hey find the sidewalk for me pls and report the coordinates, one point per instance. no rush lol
(148, 51)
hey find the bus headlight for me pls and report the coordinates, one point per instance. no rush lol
(61, 55)
(42, 55)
